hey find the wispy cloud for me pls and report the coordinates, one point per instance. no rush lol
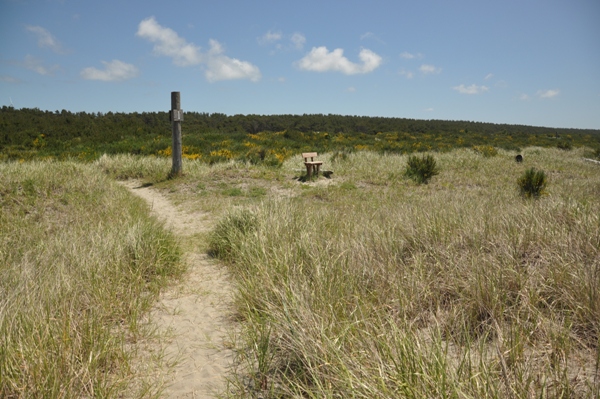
(409, 56)
(270, 37)
(35, 64)
(113, 71)
(406, 73)
(351, 89)
(548, 93)
(218, 66)
(298, 40)
(322, 60)
(371, 36)
(9, 79)
(488, 76)
(46, 39)
(472, 89)
(429, 69)
(524, 97)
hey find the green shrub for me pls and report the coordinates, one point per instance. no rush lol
(532, 183)
(421, 169)
(597, 153)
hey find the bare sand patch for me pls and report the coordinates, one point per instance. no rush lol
(196, 314)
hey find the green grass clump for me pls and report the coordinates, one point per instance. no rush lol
(230, 231)
(532, 184)
(421, 169)
(80, 263)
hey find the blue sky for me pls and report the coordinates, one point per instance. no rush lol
(532, 62)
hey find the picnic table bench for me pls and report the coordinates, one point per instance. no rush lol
(312, 165)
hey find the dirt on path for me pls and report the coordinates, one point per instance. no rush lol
(196, 314)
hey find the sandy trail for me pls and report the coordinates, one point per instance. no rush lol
(196, 313)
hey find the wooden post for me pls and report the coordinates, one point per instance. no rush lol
(176, 116)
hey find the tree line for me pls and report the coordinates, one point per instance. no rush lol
(30, 132)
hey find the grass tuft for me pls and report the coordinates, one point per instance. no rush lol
(532, 184)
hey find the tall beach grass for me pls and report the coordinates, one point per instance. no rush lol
(372, 286)
(81, 261)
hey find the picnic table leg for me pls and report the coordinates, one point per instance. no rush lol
(308, 171)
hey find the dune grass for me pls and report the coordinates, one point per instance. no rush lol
(371, 286)
(81, 261)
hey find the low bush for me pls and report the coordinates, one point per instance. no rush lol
(532, 183)
(421, 169)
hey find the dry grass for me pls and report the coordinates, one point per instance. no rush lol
(80, 263)
(368, 285)
(372, 286)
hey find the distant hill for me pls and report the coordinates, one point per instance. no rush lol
(26, 133)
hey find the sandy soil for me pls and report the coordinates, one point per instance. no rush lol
(196, 314)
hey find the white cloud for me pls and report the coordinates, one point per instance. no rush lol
(269, 37)
(488, 76)
(218, 66)
(351, 89)
(473, 89)
(46, 39)
(113, 71)
(168, 43)
(429, 69)
(548, 93)
(408, 56)
(221, 67)
(428, 110)
(298, 40)
(321, 60)
(408, 74)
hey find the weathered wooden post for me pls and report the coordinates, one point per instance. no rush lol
(176, 116)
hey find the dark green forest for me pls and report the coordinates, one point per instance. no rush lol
(32, 133)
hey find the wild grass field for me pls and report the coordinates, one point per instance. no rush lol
(365, 285)
(81, 262)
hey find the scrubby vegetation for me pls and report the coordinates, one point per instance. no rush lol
(271, 139)
(532, 183)
(81, 261)
(421, 169)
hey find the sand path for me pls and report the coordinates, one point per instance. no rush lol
(195, 314)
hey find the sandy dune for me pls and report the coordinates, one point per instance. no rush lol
(196, 313)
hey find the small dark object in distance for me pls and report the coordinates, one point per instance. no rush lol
(519, 158)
